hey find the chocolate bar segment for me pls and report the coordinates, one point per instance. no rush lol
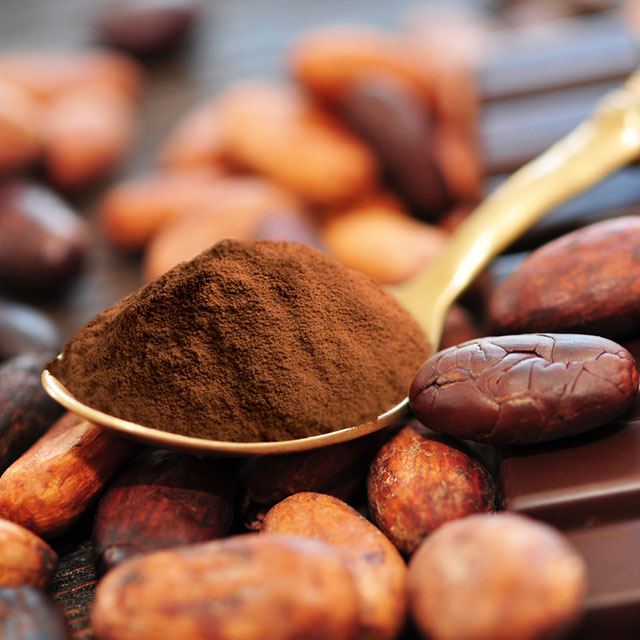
(577, 482)
(612, 606)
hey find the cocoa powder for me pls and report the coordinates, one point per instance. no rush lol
(249, 341)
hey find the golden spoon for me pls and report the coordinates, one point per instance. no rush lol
(609, 139)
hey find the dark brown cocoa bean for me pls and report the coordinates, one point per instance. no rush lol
(158, 488)
(587, 281)
(27, 613)
(26, 411)
(524, 388)
(395, 121)
(42, 242)
(418, 482)
(146, 27)
(339, 470)
(24, 329)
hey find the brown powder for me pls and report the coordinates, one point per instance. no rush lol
(250, 341)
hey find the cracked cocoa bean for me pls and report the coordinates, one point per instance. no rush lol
(378, 568)
(250, 587)
(26, 411)
(24, 558)
(524, 388)
(27, 613)
(419, 481)
(587, 281)
(160, 487)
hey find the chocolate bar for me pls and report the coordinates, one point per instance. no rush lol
(577, 482)
(612, 606)
(617, 195)
(558, 54)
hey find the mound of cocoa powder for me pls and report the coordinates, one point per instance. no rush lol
(249, 341)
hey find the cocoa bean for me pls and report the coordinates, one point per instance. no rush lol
(275, 130)
(157, 488)
(26, 411)
(50, 74)
(587, 281)
(249, 587)
(499, 576)
(43, 243)
(146, 28)
(524, 388)
(87, 132)
(419, 482)
(28, 614)
(24, 558)
(339, 470)
(49, 487)
(24, 329)
(396, 123)
(378, 568)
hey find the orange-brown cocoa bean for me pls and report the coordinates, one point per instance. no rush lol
(24, 557)
(250, 587)
(496, 577)
(275, 130)
(47, 75)
(86, 133)
(378, 568)
(20, 127)
(197, 140)
(418, 482)
(330, 60)
(132, 211)
(378, 238)
(49, 487)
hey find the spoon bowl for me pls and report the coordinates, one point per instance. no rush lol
(609, 139)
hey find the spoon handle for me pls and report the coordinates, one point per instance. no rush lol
(609, 139)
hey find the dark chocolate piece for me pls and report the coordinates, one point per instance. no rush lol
(615, 196)
(561, 54)
(514, 131)
(577, 482)
(612, 605)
